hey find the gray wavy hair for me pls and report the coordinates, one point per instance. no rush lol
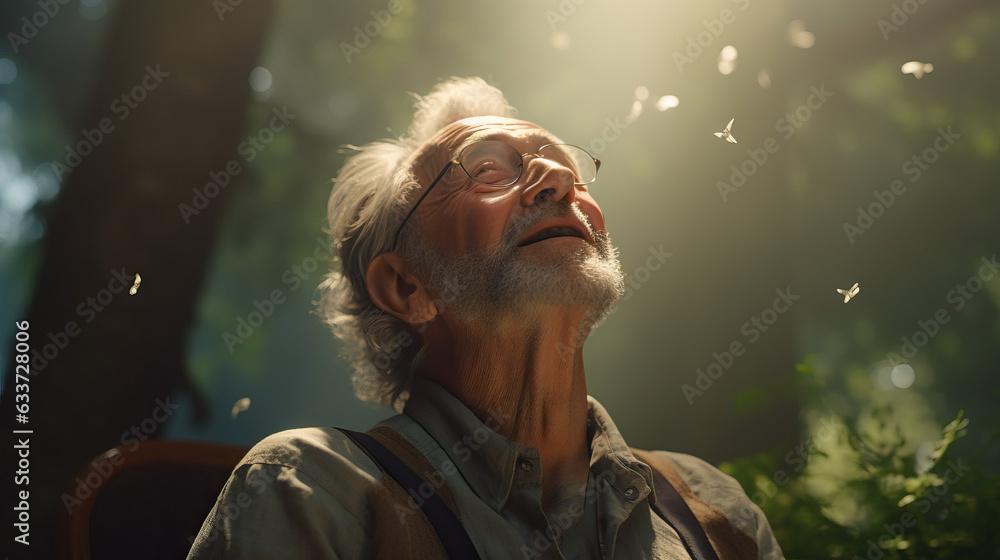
(369, 200)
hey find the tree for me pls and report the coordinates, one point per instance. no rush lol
(164, 123)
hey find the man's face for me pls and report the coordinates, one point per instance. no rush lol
(483, 247)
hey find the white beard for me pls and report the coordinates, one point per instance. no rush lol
(478, 286)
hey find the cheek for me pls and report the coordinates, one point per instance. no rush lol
(465, 224)
(593, 212)
(484, 220)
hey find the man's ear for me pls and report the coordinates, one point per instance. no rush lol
(397, 291)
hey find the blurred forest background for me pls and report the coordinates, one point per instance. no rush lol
(195, 144)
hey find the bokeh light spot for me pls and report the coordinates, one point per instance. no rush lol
(8, 71)
(764, 79)
(902, 376)
(260, 79)
(667, 102)
(727, 60)
(560, 40)
(882, 378)
(635, 112)
(798, 36)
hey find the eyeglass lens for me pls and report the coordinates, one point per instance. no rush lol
(492, 162)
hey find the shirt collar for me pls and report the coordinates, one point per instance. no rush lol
(488, 461)
(485, 458)
(612, 459)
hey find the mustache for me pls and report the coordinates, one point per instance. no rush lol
(539, 213)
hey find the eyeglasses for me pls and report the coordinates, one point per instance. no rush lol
(498, 164)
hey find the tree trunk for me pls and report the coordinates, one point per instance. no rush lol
(169, 108)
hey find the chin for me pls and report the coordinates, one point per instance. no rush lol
(589, 277)
(482, 287)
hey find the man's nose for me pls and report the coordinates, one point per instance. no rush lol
(548, 180)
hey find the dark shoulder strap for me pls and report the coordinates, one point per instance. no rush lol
(671, 507)
(681, 507)
(454, 538)
(676, 512)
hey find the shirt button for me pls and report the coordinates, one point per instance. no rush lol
(525, 465)
(631, 492)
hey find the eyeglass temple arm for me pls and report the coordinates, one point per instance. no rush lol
(395, 240)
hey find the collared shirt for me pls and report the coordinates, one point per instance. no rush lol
(303, 493)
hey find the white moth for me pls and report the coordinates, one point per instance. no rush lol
(917, 68)
(135, 285)
(727, 133)
(239, 406)
(848, 294)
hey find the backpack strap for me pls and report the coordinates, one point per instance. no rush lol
(706, 532)
(453, 536)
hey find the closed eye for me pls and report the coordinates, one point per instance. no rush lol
(488, 172)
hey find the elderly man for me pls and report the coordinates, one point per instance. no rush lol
(474, 264)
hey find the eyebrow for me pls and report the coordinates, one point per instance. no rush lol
(498, 134)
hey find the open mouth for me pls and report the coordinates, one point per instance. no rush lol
(550, 233)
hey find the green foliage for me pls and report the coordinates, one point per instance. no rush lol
(855, 487)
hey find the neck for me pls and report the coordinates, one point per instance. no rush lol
(529, 369)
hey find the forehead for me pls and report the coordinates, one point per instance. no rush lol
(452, 138)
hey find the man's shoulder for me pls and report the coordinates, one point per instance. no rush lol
(714, 487)
(326, 455)
(699, 474)
(725, 493)
(292, 447)
(312, 474)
